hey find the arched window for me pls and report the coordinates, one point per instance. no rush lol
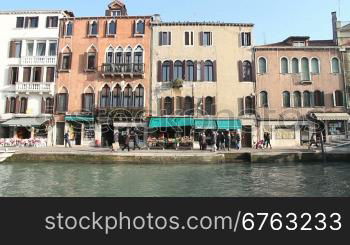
(139, 96)
(315, 66)
(286, 99)
(168, 106)
(284, 65)
(117, 96)
(62, 101)
(119, 55)
(264, 101)
(249, 105)
(105, 96)
(208, 71)
(295, 66)
(88, 100)
(138, 59)
(247, 71)
(93, 28)
(49, 102)
(12, 108)
(178, 67)
(319, 98)
(140, 27)
(209, 106)
(297, 99)
(262, 65)
(24, 103)
(128, 59)
(66, 59)
(335, 65)
(91, 59)
(190, 70)
(127, 96)
(112, 28)
(110, 55)
(166, 71)
(69, 28)
(188, 106)
(338, 98)
(305, 70)
(307, 99)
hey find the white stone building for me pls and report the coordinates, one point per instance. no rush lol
(28, 61)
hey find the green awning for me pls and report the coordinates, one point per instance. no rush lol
(166, 122)
(26, 122)
(79, 118)
(205, 124)
(229, 124)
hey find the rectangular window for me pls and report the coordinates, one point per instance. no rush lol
(50, 74)
(13, 75)
(53, 49)
(20, 22)
(23, 108)
(15, 49)
(164, 38)
(246, 39)
(27, 73)
(285, 132)
(336, 128)
(30, 49)
(52, 22)
(88, 102)
(189, 38)
(207, 39)
(41, 49)
(62, 100)
(12, 105)
(116, 13)
(32, 22)
(37, 74)
(66, 61)
(91, 62)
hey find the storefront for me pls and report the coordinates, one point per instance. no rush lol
(334, 124)
(81, 130)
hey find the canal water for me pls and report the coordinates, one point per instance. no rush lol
(229, 180)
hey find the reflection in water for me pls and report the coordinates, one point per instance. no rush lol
(230, 180)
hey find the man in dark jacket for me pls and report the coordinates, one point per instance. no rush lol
(136, 141)
(126, 142)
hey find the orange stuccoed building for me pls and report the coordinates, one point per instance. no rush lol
(103, 83)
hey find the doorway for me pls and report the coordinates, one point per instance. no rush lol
(247, 136)
(60, 133)
(107, 135)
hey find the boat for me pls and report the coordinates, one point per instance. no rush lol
(4, 154)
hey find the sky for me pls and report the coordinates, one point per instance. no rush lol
(274, 20)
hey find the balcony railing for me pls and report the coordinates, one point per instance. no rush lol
(123, 69)
(39, 60)
(35, 87)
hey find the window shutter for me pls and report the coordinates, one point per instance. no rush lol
(67, 103)
(193, 105)
(214, 71)
(182, 103)
(160, 38)
(161, 103)
(204, 112)
(43, 105)
(83, 103)
(88, 28)
(201, 38)
(172, 105)
(160, 75)
(312, 99)
(240, 71)
(243, 106)
(195, 71)
(334, 99)
(47, 21)
(108, 12)
(59, 61)
(106, 28)
(322, 99)
(12, 49)
(253, 72)
(10, 76)
(184, 71)
(18, 105)
(70, 61)
(62, 29)
(96, 61)
(98, 26)
(56, 103)
(7, 108)
(169, 38)
(214, 106)
(99, 99)
(171, 70)
(202, 71)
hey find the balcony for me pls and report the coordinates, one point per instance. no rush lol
(39, 60)
(122, 70)
(33, 87)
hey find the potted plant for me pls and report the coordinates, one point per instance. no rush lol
(177, 83)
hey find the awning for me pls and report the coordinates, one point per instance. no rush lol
(205, 124)
(26, 122)
(229, 124)
(165, 122)
(129, 124)
(332, 116)
(73, 118)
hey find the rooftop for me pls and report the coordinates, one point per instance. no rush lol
(36, 11)
(201, 24)
(290, 42)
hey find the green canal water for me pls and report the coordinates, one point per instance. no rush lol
(230, 180)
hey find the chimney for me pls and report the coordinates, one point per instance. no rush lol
(334, 27)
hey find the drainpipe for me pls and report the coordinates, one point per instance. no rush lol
(345, 89)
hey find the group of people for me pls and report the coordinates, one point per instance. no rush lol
(221, 141)
(128, 138)
(265, 143)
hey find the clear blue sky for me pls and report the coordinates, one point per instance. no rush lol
(274, 19)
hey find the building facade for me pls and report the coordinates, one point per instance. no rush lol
(300, 91)
(203, 72)
(103, 83)
(28, 73)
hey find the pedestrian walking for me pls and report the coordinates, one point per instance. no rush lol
(126, 142)
(115, 145)
(203, 141)
(238, 141)
(215, 140)
(313, 141)
(222, 141)
(136, 141)
(268, 140)
(67, 140)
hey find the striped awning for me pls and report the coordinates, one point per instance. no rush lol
(332, 116)
(26, 122)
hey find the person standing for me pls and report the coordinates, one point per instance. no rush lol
(67, 140)
(238, 141)
(215, 140)
(268, 140)
(136, 141)
(126, 142)
(115, 146)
